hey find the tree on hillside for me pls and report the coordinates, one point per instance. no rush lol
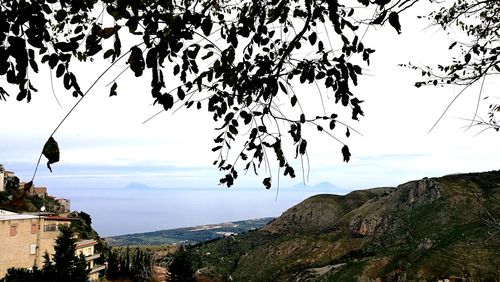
(65, 264)
(137, 265)
(22, 275)
(181, 268)
(239, 60)
(12, 185)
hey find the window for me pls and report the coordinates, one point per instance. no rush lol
(50, 227)
(13, 230)
(32, 249)
(33, 228)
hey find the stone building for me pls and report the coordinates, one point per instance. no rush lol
(25, 239)
(38, 191)
(4, 175)
(65, 205)
(86, 247)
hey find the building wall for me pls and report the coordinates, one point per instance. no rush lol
(65, 204)
(87, 248)
(18, 243)
(49, 232)
(25, 241)
(2, 181)
(86, 251)
(39, 191)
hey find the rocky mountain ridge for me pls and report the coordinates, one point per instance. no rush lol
(421, 230)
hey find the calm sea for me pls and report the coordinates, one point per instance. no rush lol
(122, 211)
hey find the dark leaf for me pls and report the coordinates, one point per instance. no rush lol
(346, 153)
(113, 90)
(267, 182)
(332, 124)
(208, 55)
(303, 147)
(283, 88)
(60, 70)
(312, 38)
(108, 53)
(136, 61)
(66, 46)
(180, 93)
(108, 31)
(167, 101)
(60, 15)
(382, 2)
(467, 58)
(394, 21)
(51, 152)
(206, 26)
(380, 18)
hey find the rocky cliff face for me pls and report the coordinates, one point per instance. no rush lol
(322, 212)
(375, 215)
(422, 230)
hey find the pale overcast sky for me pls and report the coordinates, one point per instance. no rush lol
(105, 144)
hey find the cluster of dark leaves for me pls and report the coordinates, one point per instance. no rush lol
(252, 66)
(478, 57)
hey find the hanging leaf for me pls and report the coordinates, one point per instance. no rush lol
(467, 58)
(60, 70)
(180, 93)
(312, 38)
(51, 152)
(136, 61)
(267, 182)
(283, 88)
(206, 26)
(303, 147)
(112, 92)
(394, 21)
(346, 153)
(332, 124)
(208, 55)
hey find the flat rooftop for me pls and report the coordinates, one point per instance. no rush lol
(17, 217)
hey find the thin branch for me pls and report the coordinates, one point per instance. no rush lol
(76, 104)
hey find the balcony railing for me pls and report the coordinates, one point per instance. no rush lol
(92, 257)
(97, 268)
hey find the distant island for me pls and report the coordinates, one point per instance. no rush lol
(137, 186)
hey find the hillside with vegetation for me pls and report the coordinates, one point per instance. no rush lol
(188, 235)
(446, 227)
